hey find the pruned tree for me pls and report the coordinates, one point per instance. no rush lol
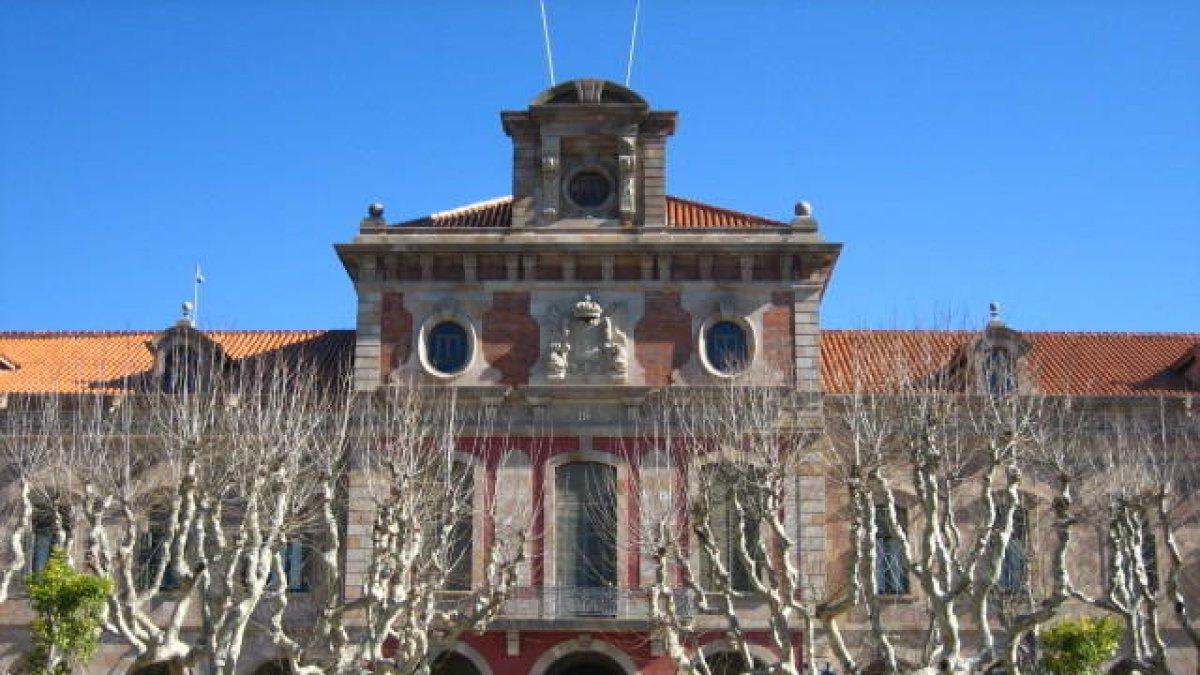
(412, 468)
(34, 511)
(722, 465)
(961, 457)
(1141, 467)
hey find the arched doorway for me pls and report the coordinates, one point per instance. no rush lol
(278, 667)
(453, 663)
(585, 663)
(727, 663)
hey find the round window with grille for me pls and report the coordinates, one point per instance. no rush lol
(727, 347)
(589, 189)
(447, 347)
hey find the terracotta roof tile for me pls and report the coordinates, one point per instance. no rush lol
(681, 213)
(685, 213)
(66, 362)
(1059, 363)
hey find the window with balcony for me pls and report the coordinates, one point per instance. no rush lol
(585, 531)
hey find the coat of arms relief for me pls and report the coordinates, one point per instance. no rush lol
(586, 346)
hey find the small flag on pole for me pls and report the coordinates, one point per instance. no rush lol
(199, 275)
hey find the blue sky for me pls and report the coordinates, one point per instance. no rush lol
(1041, 154)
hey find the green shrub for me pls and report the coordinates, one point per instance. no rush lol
(70, 613)
(1080, 646)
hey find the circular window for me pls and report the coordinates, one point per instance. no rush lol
(589, 189)
(447, 347)
(726, 346)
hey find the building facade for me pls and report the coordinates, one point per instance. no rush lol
(557, 314)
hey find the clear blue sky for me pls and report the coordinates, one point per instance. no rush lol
(1045, 154)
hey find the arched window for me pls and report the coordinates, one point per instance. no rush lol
(891, 564)
(586, 535)
(447, 347)
(732, 508)
(726, 347)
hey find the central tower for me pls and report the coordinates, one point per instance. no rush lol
(589, 153)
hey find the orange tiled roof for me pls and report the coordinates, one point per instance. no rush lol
(66, 362)
(681, 213)
(1083, 364)
(1078, 364)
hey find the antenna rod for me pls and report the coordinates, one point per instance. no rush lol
(546, 37)
(637, 7)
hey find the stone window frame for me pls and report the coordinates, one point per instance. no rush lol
(752, 339)
(473, 347)
(550, 511)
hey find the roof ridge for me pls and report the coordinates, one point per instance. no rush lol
(23, 334)
(969, 331)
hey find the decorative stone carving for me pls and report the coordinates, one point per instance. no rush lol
(551, 168)
(587, 347)
(628, 162)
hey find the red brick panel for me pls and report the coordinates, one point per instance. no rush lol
(777, 332)
(395, 333)
(510, 337)
(663, 338)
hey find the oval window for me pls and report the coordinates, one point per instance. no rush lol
(447, 347)
(726, 347)
(589, 189)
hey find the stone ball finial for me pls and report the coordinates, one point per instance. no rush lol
(375, 210)
(803, 209)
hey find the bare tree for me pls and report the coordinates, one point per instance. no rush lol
(722, 464)
(1141, 467)
(961, 455)
(412, 468)
(34, 511)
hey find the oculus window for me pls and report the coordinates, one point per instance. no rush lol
(447, 347)
(589, 189)
(727, 347)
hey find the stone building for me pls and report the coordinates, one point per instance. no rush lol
(562, 308)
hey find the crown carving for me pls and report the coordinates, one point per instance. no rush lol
(587, 309)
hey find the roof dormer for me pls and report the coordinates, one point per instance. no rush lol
(589, 153)
(185, 359)
(992, 362)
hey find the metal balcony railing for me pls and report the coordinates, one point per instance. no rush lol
(561, 602)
